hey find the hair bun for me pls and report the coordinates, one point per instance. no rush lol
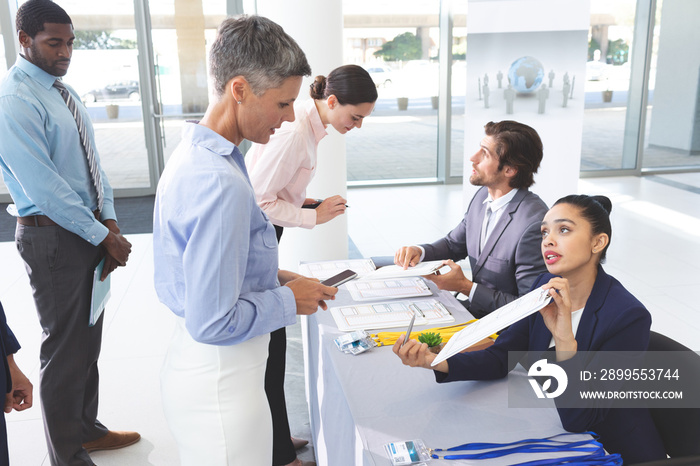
(604, 201)
(318, 88)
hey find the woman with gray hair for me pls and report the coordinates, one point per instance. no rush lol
(215, 253)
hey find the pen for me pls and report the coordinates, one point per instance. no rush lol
(410, 327)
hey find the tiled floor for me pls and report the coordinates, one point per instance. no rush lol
(655, 252)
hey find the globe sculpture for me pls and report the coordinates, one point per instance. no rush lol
(526, 74)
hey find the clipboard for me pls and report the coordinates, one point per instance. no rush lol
(493, 322)
(101, 292)
(389, 288)
(397, 271)
(390, 314)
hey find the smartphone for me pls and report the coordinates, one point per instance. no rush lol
(342, 277)
(313, 205)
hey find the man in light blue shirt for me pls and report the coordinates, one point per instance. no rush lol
(61, 235)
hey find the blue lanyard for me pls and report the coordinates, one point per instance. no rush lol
(595, 454)
(592, 459)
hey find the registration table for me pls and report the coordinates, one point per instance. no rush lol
(359, 403)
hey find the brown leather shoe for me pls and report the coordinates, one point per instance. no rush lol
(112, 441)
(299, 443)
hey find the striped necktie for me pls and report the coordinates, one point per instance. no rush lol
(85, 141)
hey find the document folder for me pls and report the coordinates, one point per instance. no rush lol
(100, 293)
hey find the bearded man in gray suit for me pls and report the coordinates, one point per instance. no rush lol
(500, 232)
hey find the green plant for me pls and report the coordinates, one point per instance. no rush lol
(403, 47)
(430, 338)
(94, 40)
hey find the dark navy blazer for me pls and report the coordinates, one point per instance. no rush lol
(8, 345)
(612, 320)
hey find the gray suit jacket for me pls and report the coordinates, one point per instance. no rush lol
(511, 259)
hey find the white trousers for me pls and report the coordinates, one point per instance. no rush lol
(214, 401)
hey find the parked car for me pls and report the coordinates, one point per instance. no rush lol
(115, 91)
(381, 75)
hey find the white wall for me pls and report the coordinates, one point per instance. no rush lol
(556, 33)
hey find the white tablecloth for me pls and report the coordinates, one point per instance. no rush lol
(359, 403)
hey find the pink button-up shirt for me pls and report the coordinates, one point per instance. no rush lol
(281, 170)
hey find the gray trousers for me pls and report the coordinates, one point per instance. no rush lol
(60, 265)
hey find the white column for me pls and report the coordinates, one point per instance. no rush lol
(318, 28)
(7, 27)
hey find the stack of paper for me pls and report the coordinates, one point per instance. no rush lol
(390, 314)
(327, 269)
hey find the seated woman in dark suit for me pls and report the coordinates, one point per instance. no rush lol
(590, 311)
(18, 388)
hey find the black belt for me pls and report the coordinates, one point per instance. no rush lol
(43, 220)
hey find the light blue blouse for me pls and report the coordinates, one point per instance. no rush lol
(215, 251)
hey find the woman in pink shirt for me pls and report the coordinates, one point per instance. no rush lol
(280, 171)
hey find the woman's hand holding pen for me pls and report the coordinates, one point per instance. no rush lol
(416, 354)
(330, 208)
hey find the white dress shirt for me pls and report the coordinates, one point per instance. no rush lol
(497, 209)
(496, 214)
(575, 320)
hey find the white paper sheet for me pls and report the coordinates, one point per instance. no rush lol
(326, 269)
(396, 271)
(493, 322)
(390, 288)
(390, 314)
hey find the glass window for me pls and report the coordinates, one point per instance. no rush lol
(399, 140)
(614, 121)
(3, 70)
(607, 84)
(104, 71)
(672, 136)
(182, 32)
(459, 87)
